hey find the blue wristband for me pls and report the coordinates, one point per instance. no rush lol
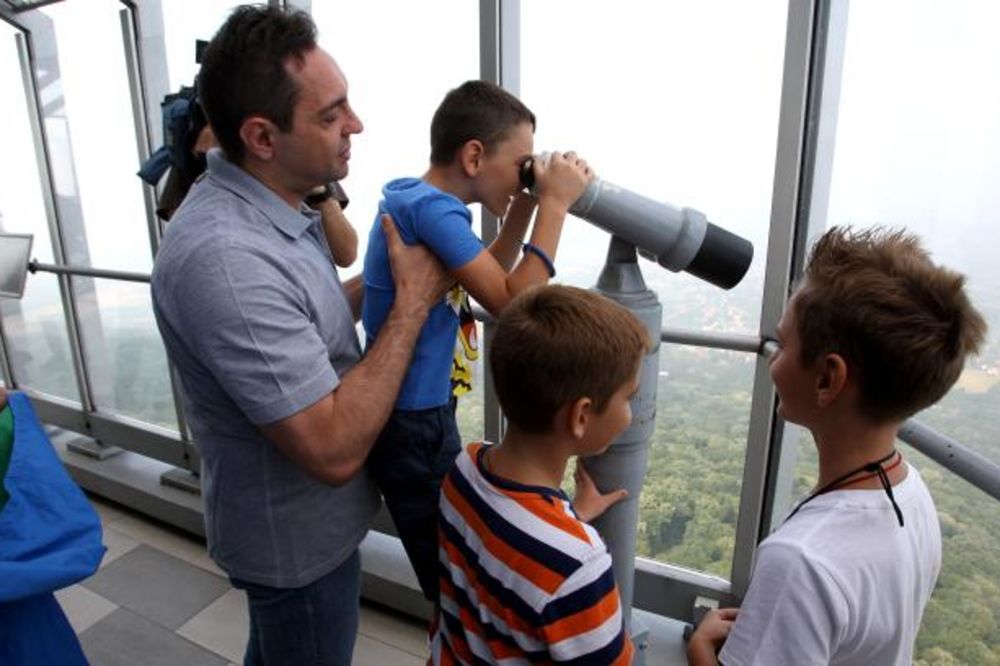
(540, 253)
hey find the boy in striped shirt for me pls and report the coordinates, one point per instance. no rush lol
(524, 578)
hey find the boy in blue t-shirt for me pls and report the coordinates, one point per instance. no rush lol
(481, 136)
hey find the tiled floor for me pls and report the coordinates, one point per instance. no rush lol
(159, 599)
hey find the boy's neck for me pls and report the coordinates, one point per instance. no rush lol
(850, 444)
(533, 460)
(448, 179)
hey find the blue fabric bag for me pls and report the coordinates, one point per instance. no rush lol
(50, 537)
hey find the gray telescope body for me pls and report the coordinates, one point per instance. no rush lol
(679, 239)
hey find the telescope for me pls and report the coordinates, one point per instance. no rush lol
(679, 239)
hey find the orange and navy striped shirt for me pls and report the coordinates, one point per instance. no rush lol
(523, 579)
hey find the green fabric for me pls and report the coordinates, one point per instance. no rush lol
(6, 446)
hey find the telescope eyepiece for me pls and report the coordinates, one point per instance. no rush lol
(527, 173)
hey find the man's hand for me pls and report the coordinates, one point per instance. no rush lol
(588, 501)
(709, 636)
(3, 397)
(421, 280)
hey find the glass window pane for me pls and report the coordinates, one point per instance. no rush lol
(674, 103)
(94, 86)
(35, 325)
(35, 328)
(918, 140)
(124, 353)
(690, 500)
(398, 70)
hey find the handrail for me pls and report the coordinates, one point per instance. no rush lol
(957, 458)
(953, 456)
(34, 266)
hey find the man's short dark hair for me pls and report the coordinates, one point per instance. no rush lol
(556, 344)
(903, 324)
(244, 71)
(475, 110)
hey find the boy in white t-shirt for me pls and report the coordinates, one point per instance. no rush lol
(874, 333)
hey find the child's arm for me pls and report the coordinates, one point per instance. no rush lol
(340, 235)
(709, 636)
(560, 182)
(507, 245)
(588, 502)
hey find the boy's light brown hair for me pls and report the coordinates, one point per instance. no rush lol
(556, 344)
(903, 325)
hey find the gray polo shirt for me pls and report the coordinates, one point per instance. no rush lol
(255, 319)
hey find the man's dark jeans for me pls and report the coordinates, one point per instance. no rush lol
(314, 625)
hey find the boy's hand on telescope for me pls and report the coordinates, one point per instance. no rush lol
(588, 501)
(562, 178)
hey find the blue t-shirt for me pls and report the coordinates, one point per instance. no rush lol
(423, 214)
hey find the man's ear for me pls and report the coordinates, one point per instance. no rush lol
(831, 379)
(578, 416)
(258, 135)
(471, 156)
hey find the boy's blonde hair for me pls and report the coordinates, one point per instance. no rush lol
(903, 324)
(556, 344)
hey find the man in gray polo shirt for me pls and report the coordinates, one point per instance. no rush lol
(261, 331)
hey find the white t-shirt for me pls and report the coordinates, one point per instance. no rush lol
(841, 582)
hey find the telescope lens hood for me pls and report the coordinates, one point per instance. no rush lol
(723, 258)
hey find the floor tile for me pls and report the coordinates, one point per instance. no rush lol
(167, 539)
(371, 652)
(223, 627)
(83, 608)
(397, 630)
(108, 511)
(117, 543)
(208, 564)
(158, 586)
(126, 639)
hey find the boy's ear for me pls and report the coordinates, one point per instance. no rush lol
(578, 416)
(470, 157)
(831, 379)
(257, 134)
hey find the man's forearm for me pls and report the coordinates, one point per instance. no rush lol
(340, 235)
(367, 393)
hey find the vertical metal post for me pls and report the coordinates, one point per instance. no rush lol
(35, 117)
(623, 465)
(145, 61)
(499, 62)
(6, 367)
(798, 124)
